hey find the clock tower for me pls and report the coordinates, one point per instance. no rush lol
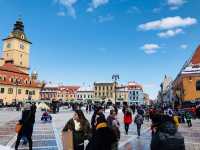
(16, 47)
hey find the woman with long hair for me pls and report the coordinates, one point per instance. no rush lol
(127, 120)
(80, 128)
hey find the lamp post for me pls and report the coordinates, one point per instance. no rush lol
(16, 83)
(115, 77)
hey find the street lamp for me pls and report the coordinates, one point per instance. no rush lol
(115, 77)
(16, 83)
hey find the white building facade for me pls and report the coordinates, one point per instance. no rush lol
(135, 93)
(85, 93)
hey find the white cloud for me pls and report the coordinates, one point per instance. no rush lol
(175, 4)
(184, 46)
(69, 4)
(133, 9)
(156, 10)
(150, 48)
(168, 23)
(170, 33)
(96, 3)
(62, 14)
(102, 19)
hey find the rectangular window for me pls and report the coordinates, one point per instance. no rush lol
(33, 92)
(19, 91)
(2, 90)
(26, 92)
(10, 90)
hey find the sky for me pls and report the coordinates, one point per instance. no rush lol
(78, 42)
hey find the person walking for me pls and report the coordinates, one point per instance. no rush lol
(138, 121)
(103, 137)
(99, 110)
(188, 119)
(127, 120)
(166, 136)
(80, 128)
(27, 121)
(114, 125)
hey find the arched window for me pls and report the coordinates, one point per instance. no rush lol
(198, 85)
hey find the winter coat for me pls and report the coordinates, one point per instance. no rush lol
(176, 121)
(113, 124)
(93, 119)
(127, 118)
(102, 139)
(167, 138)
(27, 122)
(78, 136)
(138, 119)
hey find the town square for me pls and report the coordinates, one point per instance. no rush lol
(99, 75)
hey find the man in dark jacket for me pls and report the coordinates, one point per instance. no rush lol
(166, 136)
(27, 121)
(103, 137)
(97, 111)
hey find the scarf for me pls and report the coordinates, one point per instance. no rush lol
(102, 125)
(77, 125)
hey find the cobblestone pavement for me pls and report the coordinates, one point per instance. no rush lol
(47, 136)
(61, 118)
(191, 136)
(43, 135)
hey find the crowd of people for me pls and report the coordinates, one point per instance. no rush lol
(103, 133)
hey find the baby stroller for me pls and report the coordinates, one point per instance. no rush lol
(46, 117)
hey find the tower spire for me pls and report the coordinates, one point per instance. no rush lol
(19, 26)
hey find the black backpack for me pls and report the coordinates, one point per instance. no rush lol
(171, 142)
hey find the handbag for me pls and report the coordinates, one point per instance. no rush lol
(18, 127)
(67, 140)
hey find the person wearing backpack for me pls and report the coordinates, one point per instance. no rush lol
(138, 121)
(166, 136)
(188, 119)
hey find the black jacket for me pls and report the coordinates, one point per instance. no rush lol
(78, 136)
(27, 121)
(167, 138)
(102, 139)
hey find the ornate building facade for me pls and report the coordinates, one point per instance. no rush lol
(15, 82)
(186, 86)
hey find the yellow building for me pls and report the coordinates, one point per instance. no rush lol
(104, 91)
(15, 82)
(187, 84)
(108, 92)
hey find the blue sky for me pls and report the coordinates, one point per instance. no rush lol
(82, 41)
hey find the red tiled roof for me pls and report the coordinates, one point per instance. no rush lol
(11, 68)
(196, 57)
(9, 71)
